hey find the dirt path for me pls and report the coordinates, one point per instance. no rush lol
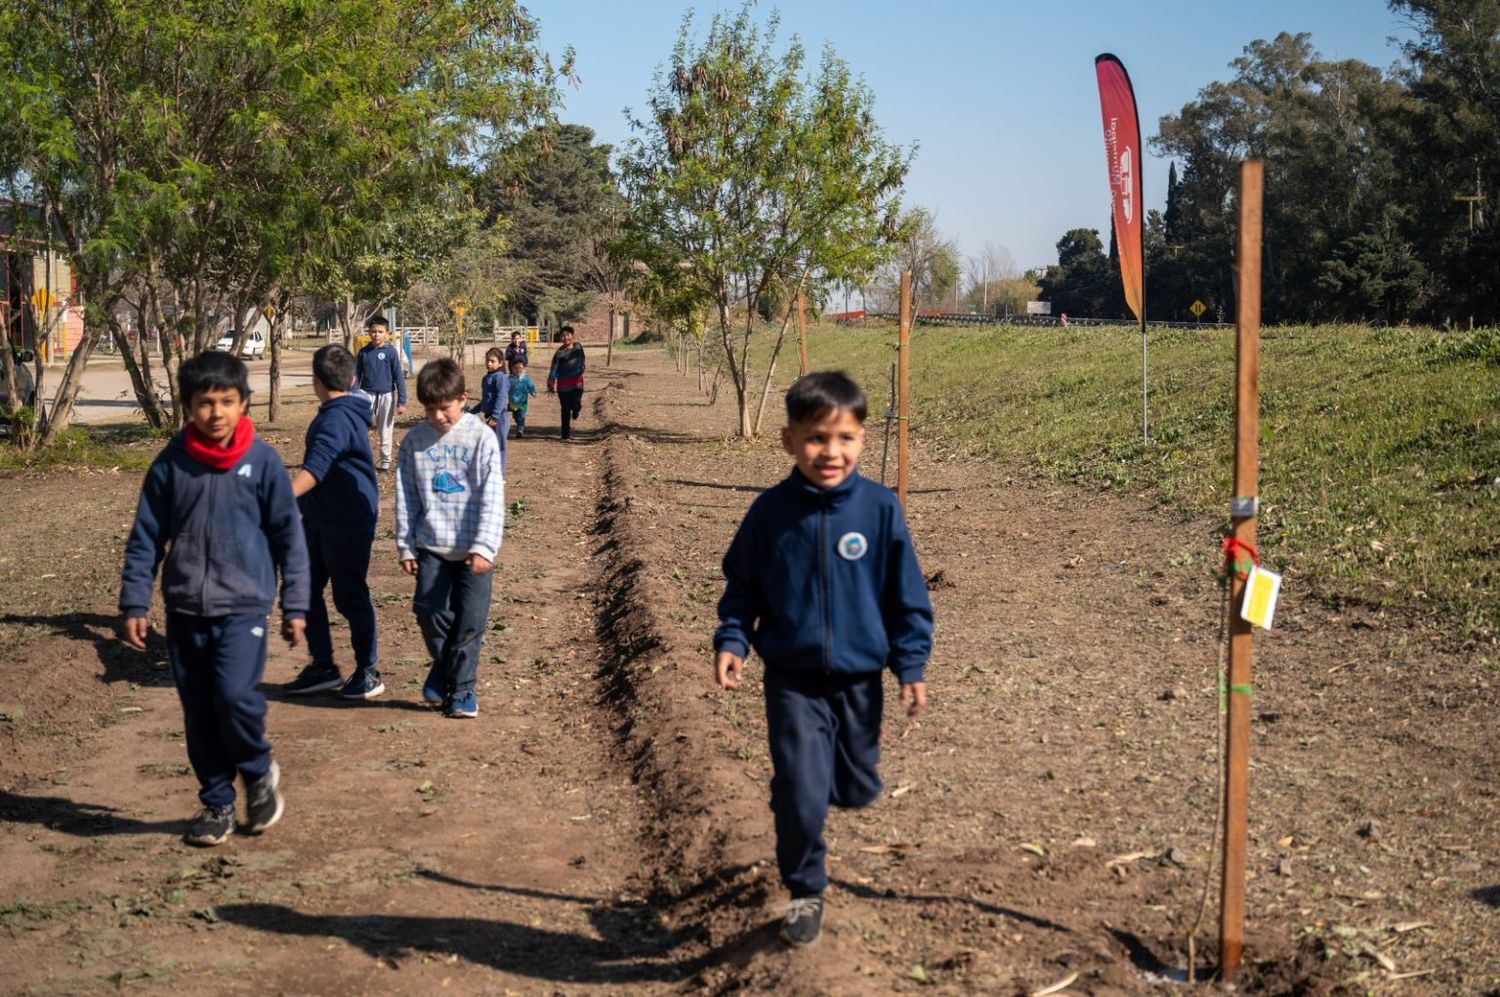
(499, 855)
(603, 826)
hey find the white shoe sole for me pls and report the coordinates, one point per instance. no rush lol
(275, 776)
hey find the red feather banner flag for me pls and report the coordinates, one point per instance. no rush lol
(1122, 147)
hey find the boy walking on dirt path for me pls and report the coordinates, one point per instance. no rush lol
(494, 399)
(450, 515)
(566, 379)
(522, 390)
(216, 504)
(378, 374)
(336, 491)
(822, 580)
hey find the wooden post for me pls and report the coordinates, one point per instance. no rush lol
(802, 330)
(1242, 508)
(903, 370)
(609, 351)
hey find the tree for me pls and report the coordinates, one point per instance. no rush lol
(757, 179)
(931, 257)
(1081, 281)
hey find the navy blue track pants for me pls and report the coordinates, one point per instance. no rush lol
(217, 663)
(341, 559)
(825, 751)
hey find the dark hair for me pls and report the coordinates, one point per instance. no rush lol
(333, 366)
(213, 371)
(517, 363)
(815, 395)
(379, 320)
(496, 352)
(440, 381)
(565, 330)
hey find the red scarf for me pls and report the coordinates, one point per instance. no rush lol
(220, 458)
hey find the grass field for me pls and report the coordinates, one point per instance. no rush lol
(1380, 449)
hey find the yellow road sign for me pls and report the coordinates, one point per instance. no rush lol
(43, 299)
(1197, 308)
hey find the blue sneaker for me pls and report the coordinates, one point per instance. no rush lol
(465, 707)
(433, 693)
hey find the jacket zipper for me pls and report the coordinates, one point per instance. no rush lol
(825, 584)
(207, 540)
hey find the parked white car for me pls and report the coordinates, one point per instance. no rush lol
(255, 344)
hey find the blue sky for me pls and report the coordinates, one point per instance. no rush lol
(999, 97)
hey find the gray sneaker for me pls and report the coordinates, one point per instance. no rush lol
(804, 921)
(211, 827)
(363, 684)
(263, 802)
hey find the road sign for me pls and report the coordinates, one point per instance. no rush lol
(1197, 308)
(43, 299)
(458, 306)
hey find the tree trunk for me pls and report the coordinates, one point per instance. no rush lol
(274, 410)
(167, 339)
(140, 375)
(765, 389)
(67, 389)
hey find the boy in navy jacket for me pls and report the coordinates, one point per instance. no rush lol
(216, 505)
(336, 491)
(494, 399)
(378, 374)
(822, 581)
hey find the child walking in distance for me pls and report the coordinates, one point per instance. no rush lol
(450, 514)
(522, 390)
(566, 379)
(336, 491)
(494, 399)
(517, 350)
(378, 374)
(821, 579)
(216, 505)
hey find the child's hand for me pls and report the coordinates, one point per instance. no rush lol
(409, 566)
(135, 632)
(291, 631)
(914, 697)
(479, 564)
(727, 669)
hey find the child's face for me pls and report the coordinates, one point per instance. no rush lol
(443, 416)
(216, 411)
(826, 448)
(515, 339)
(377, 335)
(491, 363)
(517, 369)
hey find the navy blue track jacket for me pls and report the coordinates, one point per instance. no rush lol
(826, 580)
(337, 453)
(223, 535)
(377, 369)
(494, 395)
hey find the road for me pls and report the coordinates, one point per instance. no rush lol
(106, 395)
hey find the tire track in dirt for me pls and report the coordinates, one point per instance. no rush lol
(498, 855)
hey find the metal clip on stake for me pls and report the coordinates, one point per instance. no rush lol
(1244, 507)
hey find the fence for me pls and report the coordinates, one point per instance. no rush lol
(958, 318)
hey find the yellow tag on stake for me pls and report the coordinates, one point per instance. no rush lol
(1261, 589)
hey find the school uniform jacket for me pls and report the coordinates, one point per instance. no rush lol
(826, 581)
(220, 537)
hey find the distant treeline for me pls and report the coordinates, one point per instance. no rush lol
(1380, 193)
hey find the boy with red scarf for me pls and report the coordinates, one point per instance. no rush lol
(217, 505)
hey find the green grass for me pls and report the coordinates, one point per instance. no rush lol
(129, 446)
(1379, 449)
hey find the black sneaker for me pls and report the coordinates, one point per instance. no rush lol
(320, 676)
(363, 684)
(211, 827)
(804, 921)
(263, 803)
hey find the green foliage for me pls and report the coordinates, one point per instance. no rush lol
(1379, 450)
(750, 178)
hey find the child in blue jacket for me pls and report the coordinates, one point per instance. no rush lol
(522, 390)
(822, 581)
(336, 490)
(216, 506)
(494, 399)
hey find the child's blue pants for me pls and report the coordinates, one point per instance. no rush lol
(217, 662)
(343, 559)
(825, 750)
(453, 608)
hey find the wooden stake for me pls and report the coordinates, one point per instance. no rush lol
(802, 330)
(609, 351)
(1243, 507)
(903, 370)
